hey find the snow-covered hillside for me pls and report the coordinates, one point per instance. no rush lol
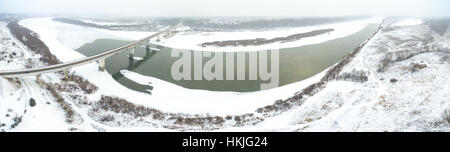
(408, 87)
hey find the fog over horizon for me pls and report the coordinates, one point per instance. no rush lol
(238, 8)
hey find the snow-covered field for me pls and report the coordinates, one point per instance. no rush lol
(416, 101)
(16, 113)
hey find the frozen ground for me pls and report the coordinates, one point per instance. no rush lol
(416, 101)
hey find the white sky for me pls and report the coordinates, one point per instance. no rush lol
(274, 8)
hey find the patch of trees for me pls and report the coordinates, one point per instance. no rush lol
(118, 105)
(446, 115)
(262, 41)
(177, 120)
(74, 82)
(134, 27)
(416, 67)
(83, 84)
(392, 57)
(355, 76)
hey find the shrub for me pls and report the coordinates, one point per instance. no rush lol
(446, 115)
(32, 102)
(17, 121)
(32, 41)
(119, 105)
(107, 118)
(416, 67)
(237, 118)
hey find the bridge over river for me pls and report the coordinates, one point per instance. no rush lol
(100, 58)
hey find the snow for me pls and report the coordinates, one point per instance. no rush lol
(408, 22)
(415, 103)
(42, 117)
(156, 49)
(135, 57)
(192, 40)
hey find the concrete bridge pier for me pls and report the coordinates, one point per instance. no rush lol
(131, 52)
(147, 47)
(147, 52)
(101, 64)
(130, 63)
(38, 78)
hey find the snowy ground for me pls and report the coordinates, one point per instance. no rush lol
(408, 22)
(415, 102)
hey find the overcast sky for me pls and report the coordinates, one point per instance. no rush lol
(273, 8)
